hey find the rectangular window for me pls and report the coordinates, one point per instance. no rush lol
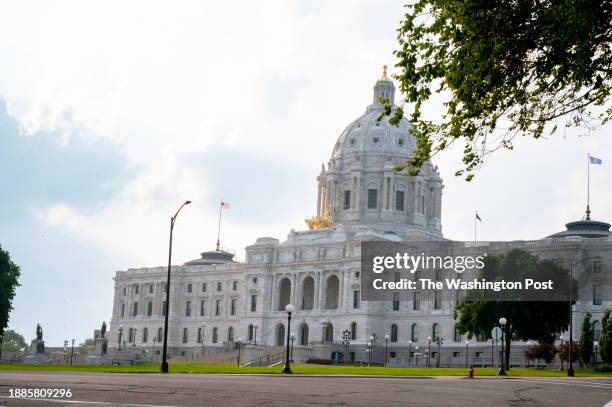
(372, 198)
(437, 300)
(233, 305)
(150, 288)
(596, 294)
(163, 310)
(218, 307)
(234, 285)
(188, 309)
(347, 200)
(253, 303)
(219, 286)
(456, 354)
(124, 291)
(189, 288)
(122, 310)
(203, 308)
(150, 308)
(135, 309)
(416, 301)
(392, 355)
(356, 298)
(597, 266)
(399, 200)
(136, 289)
(164, 286)
(204, 287)
(396, 301)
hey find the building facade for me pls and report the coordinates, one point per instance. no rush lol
(215, 300)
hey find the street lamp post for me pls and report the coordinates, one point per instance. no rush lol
(134, 329)
(467, 354)
(239, 346)
(255, 326)
(369, 350)
(72, 352)
(386, 350)
(289, 308)
(502, 369)
(202, 336)
(595, 343)
(164, 364)
(65, 350)
(409, 352)
(292, 338)
(416, 356)
(561, 347)
(428, 351)
(439, 341)
(120, 335)
(373, 339)
(346, 341)
(154, 342)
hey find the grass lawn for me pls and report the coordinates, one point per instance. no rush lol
(187, 367)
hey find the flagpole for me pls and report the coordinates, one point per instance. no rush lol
(588, 211)
(219, 228)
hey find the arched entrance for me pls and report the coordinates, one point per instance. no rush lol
(332, 292)
(280, 335)
(284, 293)
(308, 293)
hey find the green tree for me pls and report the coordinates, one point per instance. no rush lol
(85, 346)
(605, 339)
(564, 352)
(525, 320)
(586, 340)
(13, 342)
(502, 69)
(9, 281)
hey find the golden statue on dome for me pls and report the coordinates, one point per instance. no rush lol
(320, 222)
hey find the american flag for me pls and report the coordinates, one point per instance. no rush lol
(225, 205)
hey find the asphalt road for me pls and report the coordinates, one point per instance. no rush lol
(105, 389)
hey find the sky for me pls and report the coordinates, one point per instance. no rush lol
(113, 113)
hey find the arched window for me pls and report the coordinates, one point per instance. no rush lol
(215, 335)
(329, 332)
(230, 334)
(280, 335)
(332, 290)
(185, 335)
(200, 338)
(160, 334)
(596, 330)
(354, 331)
(250, 332)
(145, 335)
(304, 334)
(456, 335)
(308, 293)
(414, 333)
(394, 333)
(435, 332)
(284, 293)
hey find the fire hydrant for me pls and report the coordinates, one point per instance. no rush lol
(471, 372)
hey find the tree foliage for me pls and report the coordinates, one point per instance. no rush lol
(13, 342)
(542, 351)
(9, 281)
(605, 340)
(506, 68)
(587, 337)
(564, 352)
(539, 320)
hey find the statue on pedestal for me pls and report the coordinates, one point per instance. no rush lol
(39, 332)
(40, 344)
(103, 330)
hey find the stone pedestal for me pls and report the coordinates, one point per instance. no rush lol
(99, 354)
(37, 353)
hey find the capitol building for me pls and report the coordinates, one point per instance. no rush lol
(215, 300)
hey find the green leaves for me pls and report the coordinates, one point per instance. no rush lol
(9, 281)
(507, 69)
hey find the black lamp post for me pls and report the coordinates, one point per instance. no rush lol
(65, 350)
(369, 350)
(346, 341)
(292, 338)
(134, 329)
(467, 353)
(428, 351)
(289, 308)
(72, 352)
(439, 341)
(386, 350)
(502, 369)
(409, 352)
(239, 346)
(373, 339)
(164, 365)
(255, 326)
(120, 335)
(154, 342)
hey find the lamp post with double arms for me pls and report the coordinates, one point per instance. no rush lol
(439, 342)
(346, 341)
(502, 325)
(164, 364)
(289, 308)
